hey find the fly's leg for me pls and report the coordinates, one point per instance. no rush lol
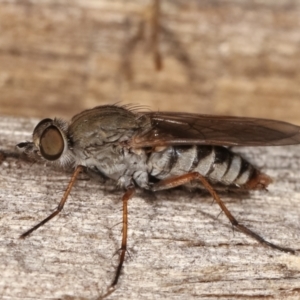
(125, 199)
(180, 180)
(60, 205)
(2, 157)
(129, 193)
(6, 154)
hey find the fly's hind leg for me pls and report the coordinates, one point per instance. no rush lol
(183, 179)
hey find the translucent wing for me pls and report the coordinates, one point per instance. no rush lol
(169, 128)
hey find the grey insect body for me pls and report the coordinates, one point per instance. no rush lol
(217, 164)
(158, 150)
(102, 140)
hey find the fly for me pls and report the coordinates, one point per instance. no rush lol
(157, 151)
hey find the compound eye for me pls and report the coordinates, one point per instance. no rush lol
(51, 143)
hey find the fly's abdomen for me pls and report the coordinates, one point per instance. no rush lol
(217, 164)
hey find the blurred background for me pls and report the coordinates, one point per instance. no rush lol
(232, 57)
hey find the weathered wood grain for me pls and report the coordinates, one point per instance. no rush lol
(226, 57)
(179, 245)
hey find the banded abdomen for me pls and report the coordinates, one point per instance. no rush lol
(218, 164)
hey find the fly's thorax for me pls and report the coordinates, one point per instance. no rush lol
(120, 163)
(104, 125)
(218, 164)
(100, 140)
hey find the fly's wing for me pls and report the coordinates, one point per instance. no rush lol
(169, 128)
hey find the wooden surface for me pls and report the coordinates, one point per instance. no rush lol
(179, 245)
(224, 57)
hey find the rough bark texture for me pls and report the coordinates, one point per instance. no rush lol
(228, 57)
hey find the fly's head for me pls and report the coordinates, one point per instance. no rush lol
(50, 143)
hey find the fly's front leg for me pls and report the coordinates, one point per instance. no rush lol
(129, 193)
(2, 157)
(60, 205)
(8, 154)
(180, 180)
